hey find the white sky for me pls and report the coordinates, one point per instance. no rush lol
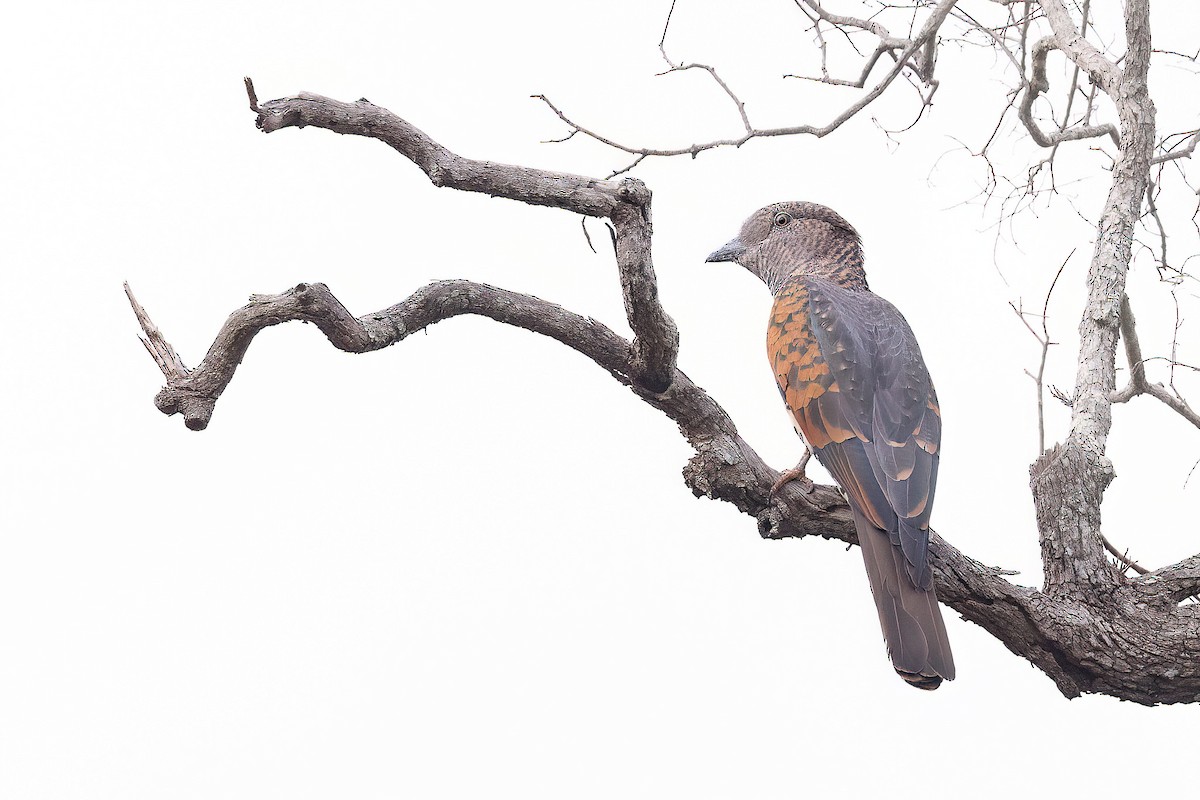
(467, 566)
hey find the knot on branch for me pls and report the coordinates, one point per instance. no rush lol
(635, 192)
(795, 512)
(719, 472)
(197, 410)
(437, 174)
(1038, 82)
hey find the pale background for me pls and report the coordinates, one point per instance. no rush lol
(467, 566)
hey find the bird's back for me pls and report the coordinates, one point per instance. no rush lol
(853, 379)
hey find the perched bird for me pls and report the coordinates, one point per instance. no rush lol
(852, 377)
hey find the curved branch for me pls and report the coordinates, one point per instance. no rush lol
(441, 300)
(1138, 383)
(873, 26)
(656, 339)
(1038, 84)
(1032, 624)
(444, 167)
(1103, 72)
(887, 44)
(627, 203)
(677, 67)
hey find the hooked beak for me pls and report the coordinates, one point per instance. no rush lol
(730, 251)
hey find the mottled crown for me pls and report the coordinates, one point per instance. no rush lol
(786, 241)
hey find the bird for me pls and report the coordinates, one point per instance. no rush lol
(857, 389)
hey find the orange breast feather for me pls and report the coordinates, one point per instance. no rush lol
(807, 385)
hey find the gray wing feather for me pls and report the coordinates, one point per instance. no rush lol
(884, 394)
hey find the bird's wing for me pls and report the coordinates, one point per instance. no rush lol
(852, 376)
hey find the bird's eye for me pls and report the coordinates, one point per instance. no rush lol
(781, 220)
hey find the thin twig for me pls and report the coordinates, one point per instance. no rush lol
(1162, 231)
(586, 235)
(1044, 340)
(1123, 557)
(1183, 152)
(1190, 471)
(903, 60)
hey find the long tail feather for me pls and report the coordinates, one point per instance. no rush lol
(910, 617)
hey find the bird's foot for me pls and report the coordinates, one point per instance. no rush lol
(796, 473)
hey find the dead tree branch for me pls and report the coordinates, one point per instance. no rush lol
(626, 203)
(922, 59)
(1138, 383)
(1174, 583)
(1123, 558)
(679, 67)
(1129, 640)
(1043, 340)
(908, 58)
(594, 198)
(1102, 70)
(1038, 84)
(1069, 480)
(1173, 153)
(156, 344)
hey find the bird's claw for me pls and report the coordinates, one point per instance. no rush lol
(796, 474)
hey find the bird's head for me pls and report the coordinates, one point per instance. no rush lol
(784, 240)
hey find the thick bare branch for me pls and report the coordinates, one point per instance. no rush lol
(1042, 628)
(1103, 71)
(1174, 583)
(656, 339)
(1069, 480)
(724, 466)
(445, 168)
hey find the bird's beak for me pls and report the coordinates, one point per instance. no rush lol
(728, 251)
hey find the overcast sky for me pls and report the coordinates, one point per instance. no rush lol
(467, 566)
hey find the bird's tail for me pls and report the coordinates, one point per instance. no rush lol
(911, 620)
